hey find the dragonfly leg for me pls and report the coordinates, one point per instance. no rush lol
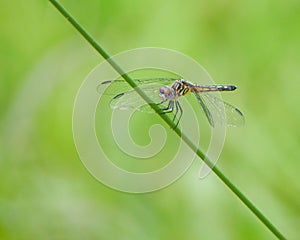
(160, 103)
(176, 111)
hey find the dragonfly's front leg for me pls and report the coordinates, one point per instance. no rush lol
(169, 108)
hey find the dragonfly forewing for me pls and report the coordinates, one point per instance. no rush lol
(132, 100)
(114, 87)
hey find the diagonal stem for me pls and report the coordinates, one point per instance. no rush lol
(185, 138)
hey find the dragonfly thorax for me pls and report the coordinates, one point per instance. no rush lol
(167, 93)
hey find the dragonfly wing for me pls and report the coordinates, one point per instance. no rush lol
(113, 87)
(223, 113)
(132, 100)
(205, 109)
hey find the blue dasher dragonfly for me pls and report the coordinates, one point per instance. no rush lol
(166, 92)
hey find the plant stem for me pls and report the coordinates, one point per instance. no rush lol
(200, 154)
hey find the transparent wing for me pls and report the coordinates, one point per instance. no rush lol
(219, 112)
(114, 87)
(127, 98)
(132, 100)
(207, 112)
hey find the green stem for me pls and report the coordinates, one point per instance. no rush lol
(200, 154)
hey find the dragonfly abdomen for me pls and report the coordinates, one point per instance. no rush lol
(214, 88)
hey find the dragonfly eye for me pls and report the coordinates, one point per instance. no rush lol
(165, 91)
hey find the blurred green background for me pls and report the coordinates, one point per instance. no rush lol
(46, 192)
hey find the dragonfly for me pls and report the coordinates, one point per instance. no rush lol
(166, 92)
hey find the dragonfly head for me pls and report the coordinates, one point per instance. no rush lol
(166, 93)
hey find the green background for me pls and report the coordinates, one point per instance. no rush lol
(46, 192)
